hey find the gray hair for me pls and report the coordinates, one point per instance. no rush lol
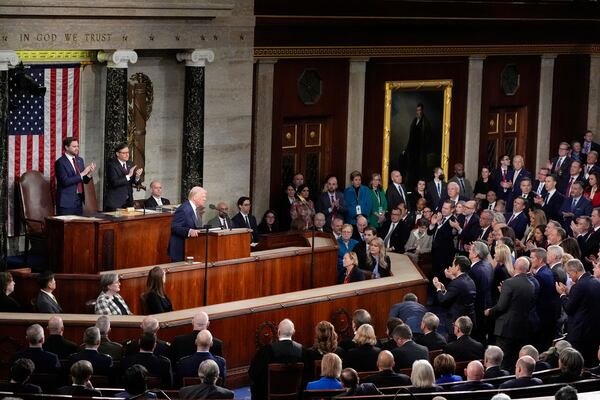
(481, 250)
(499, 218)
(91, 336)
(35, 334)
(55, 325)
(556, 250)
(575, 265)
(285, 328)
(465, 324)
(501, 396)
(149, 325)
(81, 371)
(103, 324)
(422, 374)
(208, 371)
(431, 321)
(493, 355)
(540, 253)
(195, 191)
(107, 279)
(529, 350)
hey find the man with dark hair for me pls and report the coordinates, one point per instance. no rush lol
(548, 303)
(407, 351)
(20, 372)
(362, 247)
(442, 247)
(208, 371)
(81, 372)
(518, 220)
(101, 363)
(244, 219)
(121, 175)
(552, 201)
(71, 175)
(575, 174)
(390, 325)
(156, 365)
(560, 164)
(464, 348)
(566, 393)
(46, 302)
(359, 317)
(410, 311)
(575, 205)
(45, 362)
(55, 342)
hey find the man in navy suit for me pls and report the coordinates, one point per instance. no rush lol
(396, 191)
(539, 185)
(526, 192)
(45, 301)
(552, 201)
(516, 175)
(523, 371)
(560, 164)
(501, 178)
(188, 366)
(437, 187)
(482, 274)
(575, 206)
(45, 362)
(442, 247)
(518, 220)
(591, 164)
(244, 219)
(547, 302)
(566, 181)
(581, 306)
(102, 363)
(331, 202)
(470, 230)
(71, 175)
(121, 175)
(186, 223)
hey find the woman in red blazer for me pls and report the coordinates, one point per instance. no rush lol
(592, 192)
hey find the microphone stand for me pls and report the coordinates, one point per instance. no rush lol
(206, 228)
(312, 258)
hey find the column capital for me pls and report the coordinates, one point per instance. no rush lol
(548, 57)
(359, 59)
(266, 60)
(477, 57)
(8, 57)
(118, 58)
(196, 58)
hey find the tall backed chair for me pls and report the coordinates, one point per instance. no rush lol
(284, 381)
(36, 204)
(91, 203)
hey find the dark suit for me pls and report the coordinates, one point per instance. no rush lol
(68, 201)
(582, 207)
(547, 306)
(442, 247)
(8, 303)
(188, 366)
(119, 190)
(184, 345)
(407, 354)
(45, 304)
(588, 244)
(495, 372)
(433, 193)
(565, 181)
(394, 197)
(499, 177)
(205, 391)
(522, 174)
(559, 273)
(445, 197)
(79, 390)
(102, 363)
(156, 366)
(17, 388)
(362, 358)
(520, 382)
(162, 348)
(387, 378)
(536, 186)
(60, 346)
(150, 202)
(564, 166)
(157, 304)
(324, 206)
(484, 234)
(459, 299)
(472, 386)
(470, 231)
(400, 234)
(518, 223)
(216, 223)
(239, 222)
(45, 362)
(281, 351)
(483, 276)
(432, 340)
(108, 347)
(583, 323)
(184, 219)
(411, 313)
(465, 348)
(512, 327)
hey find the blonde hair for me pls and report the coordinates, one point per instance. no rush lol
(345, 226)
(354, 258)
(503, 256)
(365, 334)
(331, 365)
(422, 375)
(382, 253)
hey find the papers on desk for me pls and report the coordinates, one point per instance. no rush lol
(76, 218)
(148, 211)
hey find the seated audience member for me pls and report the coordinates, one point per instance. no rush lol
(107, 346)
(81, 372)
(326, 341)
(331, 368)
(319, 222)
(422, 378)
(156, 200)
(492, 360)
(419, 242)
(410, 311)
(221, 220)
(268, 223)
(351, 383)
(386, 377)
(523, 371)
(464, 348)
(378, 263)
(134, 382)
(45, 301)
(208, 371)
(185, 345)
(345, 245)
(445, 367)
(55, 342)
(570, 362)
(188, 366)
(110, 302)
(352, 273)
(359, 317)
(474, 372)
(431, 338)
(7, 286)
(336, 226)
(391, 324)
(149, 325)
(501, 396)
(101, 363)
(596, 370)
(244, 219)
(363, 357)
(44, 361)
(551, 355)
(155, 297)
(531, 351)
(20, 372)
(156, 365)
(407, 351)
(566, 393)
(284, 350)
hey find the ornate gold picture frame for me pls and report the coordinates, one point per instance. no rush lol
(401, 99)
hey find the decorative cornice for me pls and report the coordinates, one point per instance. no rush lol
(196, 58)
(423, 51)
(8, 57)
(118, 58)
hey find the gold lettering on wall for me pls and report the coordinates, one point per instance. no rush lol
(49, 37)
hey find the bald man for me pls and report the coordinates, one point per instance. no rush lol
(386, 377)
(474, 373)
(222, 219)
(523, 371)
(55, 342)
(184, 345)
(188, 366)
(186, 223)
(156, 200)
(149, 325)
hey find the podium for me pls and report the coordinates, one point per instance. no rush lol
(223, 244)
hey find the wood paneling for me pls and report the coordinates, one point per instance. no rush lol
(569, 99)
(493, 97)
(332, 106)
(380, 71)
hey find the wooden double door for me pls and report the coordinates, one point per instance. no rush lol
(505, 134)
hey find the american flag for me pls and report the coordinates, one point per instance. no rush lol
(37, 125)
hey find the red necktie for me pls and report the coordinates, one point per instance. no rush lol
(569, 187)
(558, 164)
(78, 172)
(504, 175)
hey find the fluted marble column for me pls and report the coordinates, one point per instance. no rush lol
(192, 171)
(115, 116)
(593, 122)
(356, 116)
(6, 58)
(473, 126)
(544, 110)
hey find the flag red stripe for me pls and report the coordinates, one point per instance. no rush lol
(41, 154)
(65, 101)
(52, 118)
(29, 152)
(17, 156)
(76, 103)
